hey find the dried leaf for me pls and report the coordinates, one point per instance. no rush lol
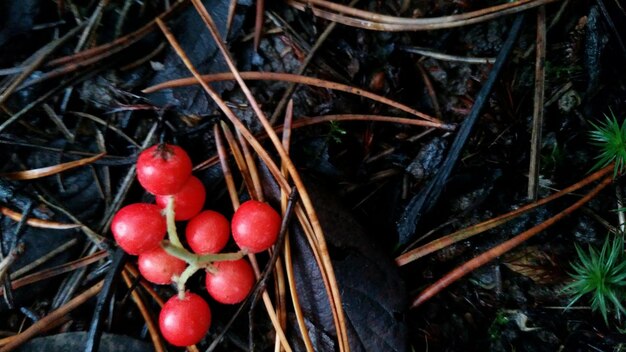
(533, 263)
(50, 170)
(372, 292)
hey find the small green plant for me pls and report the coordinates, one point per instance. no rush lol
(610, 137)
(336, 132)
(602, 275)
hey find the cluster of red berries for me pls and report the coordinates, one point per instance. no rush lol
(139, 229)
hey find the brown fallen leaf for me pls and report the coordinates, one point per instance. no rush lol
(50, 170)
(533, 263)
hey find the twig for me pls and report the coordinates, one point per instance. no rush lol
(535, 140)
(621, 217)
(231, 15)
(429, 195)
(280, 242)
(553, 22)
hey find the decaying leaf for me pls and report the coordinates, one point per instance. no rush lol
(533, 263)
(372, 293)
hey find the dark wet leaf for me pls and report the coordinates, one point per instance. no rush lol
(16, 17)
(595, 42)
(37, 243)
(75, 341)
(195, 39)
(372, 292)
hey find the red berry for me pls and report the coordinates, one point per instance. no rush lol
(207, 232)
(138, 227)
(188, 201)
(184, 322)
(231, 282)
(158, 267)
(255, 226)
(163, 169)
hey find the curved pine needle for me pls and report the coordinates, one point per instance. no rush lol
(291, 281)
(289, 77)
(468, 232)
(308, 121)
(373, 21)
(34, 222)
(502, 248)
(50, 170)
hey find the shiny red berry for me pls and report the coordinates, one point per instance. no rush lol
(159, 267)
(255, 226)
(207, 232)
(163, 169)
(231, 281)
(188, 201)
(184, 322)
(138, 227)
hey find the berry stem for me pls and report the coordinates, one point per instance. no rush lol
(219, 257)
(171, 224)
(195, 259)
(182, 279)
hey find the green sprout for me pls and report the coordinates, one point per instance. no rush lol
(336, 132)
(610, 137)
(602, 275)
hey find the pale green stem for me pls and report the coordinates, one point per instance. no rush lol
(182, 279)
(219, 257)
(196, 259)
(171, 223)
